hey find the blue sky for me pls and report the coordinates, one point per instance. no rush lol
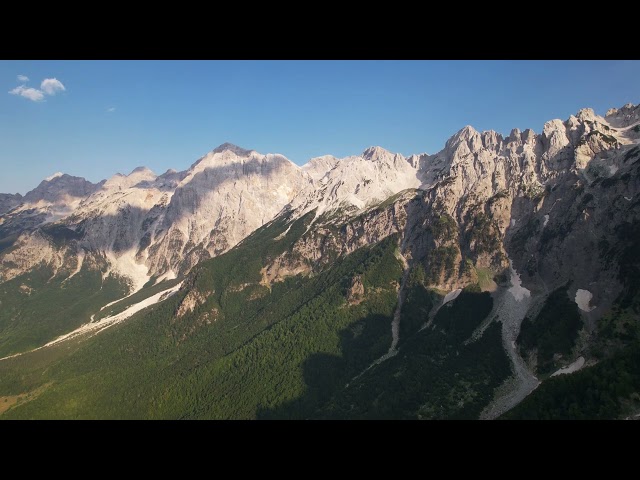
(113, 116)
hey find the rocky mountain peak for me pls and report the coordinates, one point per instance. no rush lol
(625, 116)
(241, 152)
(376, 154)
(58, 186)
(553, 126)
(54, 176)
(467, 137)
(528, 136)
(515, 136)
(141, 170)
(587, 114)
(466, 133)
(225, 154)
(231, 191)
(142, 174)
(491, 140)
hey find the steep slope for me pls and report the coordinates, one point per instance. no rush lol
(55, 197)
(287, 345)
(224, 197)
(142, 228)
(148, 225)
(138, 227)
(356, 182)
(380, 287)
(8, 202)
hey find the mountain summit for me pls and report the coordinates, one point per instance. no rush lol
(450, 285)
(232, 148)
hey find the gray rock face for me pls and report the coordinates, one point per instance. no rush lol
(147, 225)
(59, 188)
(8, 202)
(472, 203)
(623, 117)
(537, 199)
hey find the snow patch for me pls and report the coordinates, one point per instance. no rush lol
(170, 275)
(510, 310)
(356, 201)
(284, 234)
(513, 222)
(78, 267)
(107, 322)
(96, 327)
(546, 220)
(574, 367)
(126, 266)
(449, 297)
(54, 176)
(613, 169)
(628, 199)
(583, 298)
(517, 290)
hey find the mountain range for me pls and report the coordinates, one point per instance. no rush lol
(497, 278)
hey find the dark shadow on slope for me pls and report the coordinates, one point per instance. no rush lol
(324, 374)
(434, 375)
(605, 391)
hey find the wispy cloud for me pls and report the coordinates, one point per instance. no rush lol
(111, 109)
(51, 86)
(31, 93)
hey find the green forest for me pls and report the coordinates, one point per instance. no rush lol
(284, 351)
(27, 319)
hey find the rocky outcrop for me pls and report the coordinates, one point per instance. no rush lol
(191, 301)
(355, 294)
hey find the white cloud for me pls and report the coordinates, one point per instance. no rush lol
(111, 109)
(51, 86)
(31, 93)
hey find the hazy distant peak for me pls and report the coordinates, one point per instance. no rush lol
(141, 170)
(232, 148)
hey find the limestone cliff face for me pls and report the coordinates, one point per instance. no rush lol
(543, 201)
(225, 196)
(482, 200)
(154, 226)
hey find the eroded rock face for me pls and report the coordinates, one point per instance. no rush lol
(490, 190)
(625, 116)
(532, 198)
(355, 295)
(191, 301)
(156, 226)
(8, 202)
